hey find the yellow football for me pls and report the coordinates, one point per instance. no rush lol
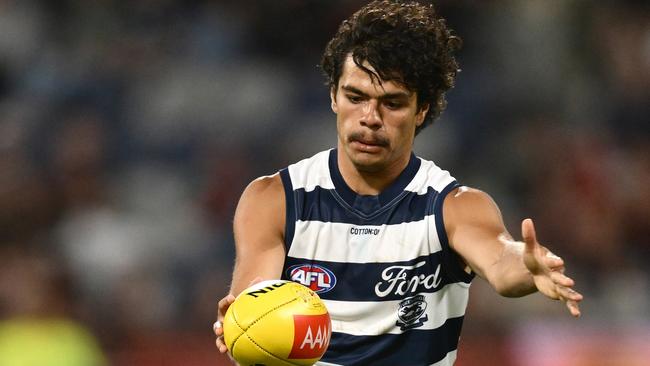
(277, 323)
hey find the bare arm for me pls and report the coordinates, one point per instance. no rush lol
(259, 233)
(259, 241)
(477, 233)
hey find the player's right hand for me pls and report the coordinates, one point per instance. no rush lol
(223, 306)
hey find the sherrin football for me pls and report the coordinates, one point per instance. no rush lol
(277, 323)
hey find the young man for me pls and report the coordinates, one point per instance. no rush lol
(388, 240)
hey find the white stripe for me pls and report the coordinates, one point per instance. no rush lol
(342, 242)
(429, 175)
(380, 317)
(312, 172)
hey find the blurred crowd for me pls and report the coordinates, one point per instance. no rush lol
(128, 130)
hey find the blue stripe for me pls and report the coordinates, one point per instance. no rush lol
(359, 281)
(452, 259)
(326, 205)
(413, 348)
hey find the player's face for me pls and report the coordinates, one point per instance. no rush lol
(375, 122)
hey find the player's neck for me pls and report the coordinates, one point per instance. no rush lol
(367, 181)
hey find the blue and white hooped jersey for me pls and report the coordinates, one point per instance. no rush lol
(395, 291)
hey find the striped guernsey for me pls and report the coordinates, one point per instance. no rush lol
(382, 264)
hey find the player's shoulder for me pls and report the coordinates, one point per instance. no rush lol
(262, 198)
(300, 173)
(267, 186)
(260, 216)
(464, 203)
(467, 195)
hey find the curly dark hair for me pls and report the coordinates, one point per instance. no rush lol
(405, 42)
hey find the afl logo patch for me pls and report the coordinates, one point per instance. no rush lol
(318, 278)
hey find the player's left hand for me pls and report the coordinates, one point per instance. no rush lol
(548, 270)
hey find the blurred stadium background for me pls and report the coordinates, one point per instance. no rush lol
(128, 129)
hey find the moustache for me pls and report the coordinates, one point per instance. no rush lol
(371, 139)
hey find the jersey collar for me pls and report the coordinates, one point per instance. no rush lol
(370, 203)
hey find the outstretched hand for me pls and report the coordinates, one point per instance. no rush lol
(548, 270)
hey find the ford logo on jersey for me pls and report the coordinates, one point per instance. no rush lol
(318, 278)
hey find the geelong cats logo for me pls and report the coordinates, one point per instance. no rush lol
(410, 313)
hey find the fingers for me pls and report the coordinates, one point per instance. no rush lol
(564, 287)
(558, 286)
(571, 298)
(562, 280)
(573, 307)
(528, 234)
(566, 293)
(224, 304)
(217, 327)
(554, 263)
(535, 260)
(218, 330)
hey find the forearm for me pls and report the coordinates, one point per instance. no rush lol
(249, 265)
(477, 233)
(508, 275)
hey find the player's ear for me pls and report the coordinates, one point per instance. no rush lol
(335, 107)
(421, 114)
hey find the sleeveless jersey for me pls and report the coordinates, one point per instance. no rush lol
(395, 291)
